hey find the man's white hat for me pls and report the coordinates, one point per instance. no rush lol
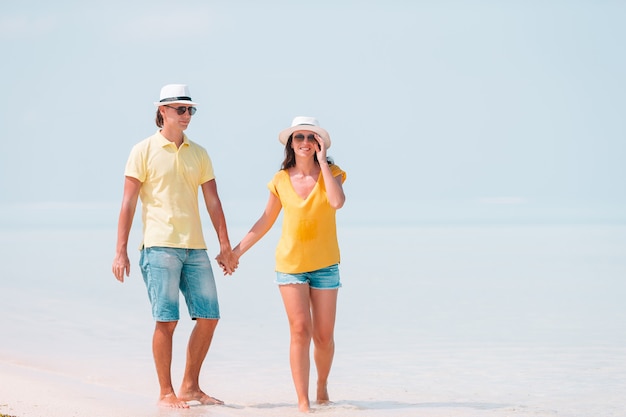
(174, 94)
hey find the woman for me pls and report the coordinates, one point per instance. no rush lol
(309, 189)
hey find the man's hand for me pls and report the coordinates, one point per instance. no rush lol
(121, 266)
(228, 261)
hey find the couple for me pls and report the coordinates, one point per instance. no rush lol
(165, 172)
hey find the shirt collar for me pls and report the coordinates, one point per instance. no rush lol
(164, 142)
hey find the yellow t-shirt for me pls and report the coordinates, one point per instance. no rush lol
(309, 234)
(170, 178)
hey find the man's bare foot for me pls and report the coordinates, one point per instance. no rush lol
(172, 401)
(199, 396)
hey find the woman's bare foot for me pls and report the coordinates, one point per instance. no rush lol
(199, 396)
(172, 401)
(304, 407)
(322, 394)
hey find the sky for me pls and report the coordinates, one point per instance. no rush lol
(475, 104)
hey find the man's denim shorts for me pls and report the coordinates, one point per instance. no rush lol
(322, 279)
(166, 271)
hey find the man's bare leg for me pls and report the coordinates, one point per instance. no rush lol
(197, 349)
(162, 351)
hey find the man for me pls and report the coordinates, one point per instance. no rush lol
(165, 172)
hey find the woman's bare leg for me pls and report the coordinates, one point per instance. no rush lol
(297, 305)
(324, 311)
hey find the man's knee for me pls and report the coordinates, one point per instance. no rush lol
(207, 324)
(166, 327)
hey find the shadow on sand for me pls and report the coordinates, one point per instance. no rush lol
(391, 405)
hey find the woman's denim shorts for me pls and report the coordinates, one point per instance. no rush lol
(166, 271)
(322, 279)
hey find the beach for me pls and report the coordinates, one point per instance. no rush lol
(483, 235)
(433, 320)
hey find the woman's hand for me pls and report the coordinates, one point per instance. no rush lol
(228, 262)
(320, 149)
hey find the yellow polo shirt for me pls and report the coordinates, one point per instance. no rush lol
(170, 178)
(308, 240)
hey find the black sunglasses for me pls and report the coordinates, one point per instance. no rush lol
(182, 109)
(300, 138)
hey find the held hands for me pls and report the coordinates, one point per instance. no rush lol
(228, 261)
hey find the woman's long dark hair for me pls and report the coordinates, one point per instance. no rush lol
(290, 156)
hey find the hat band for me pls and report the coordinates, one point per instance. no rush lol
(175, 99)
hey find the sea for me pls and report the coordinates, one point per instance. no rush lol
(439, 315)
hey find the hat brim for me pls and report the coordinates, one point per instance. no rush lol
(164, 103)
(283, 136)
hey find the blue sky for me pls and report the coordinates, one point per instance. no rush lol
(486, 103)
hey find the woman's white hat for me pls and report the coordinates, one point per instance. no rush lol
(304, 123)
(173, 94)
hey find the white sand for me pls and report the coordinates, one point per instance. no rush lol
(439, 321)
(28, 392)
(438, 382)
